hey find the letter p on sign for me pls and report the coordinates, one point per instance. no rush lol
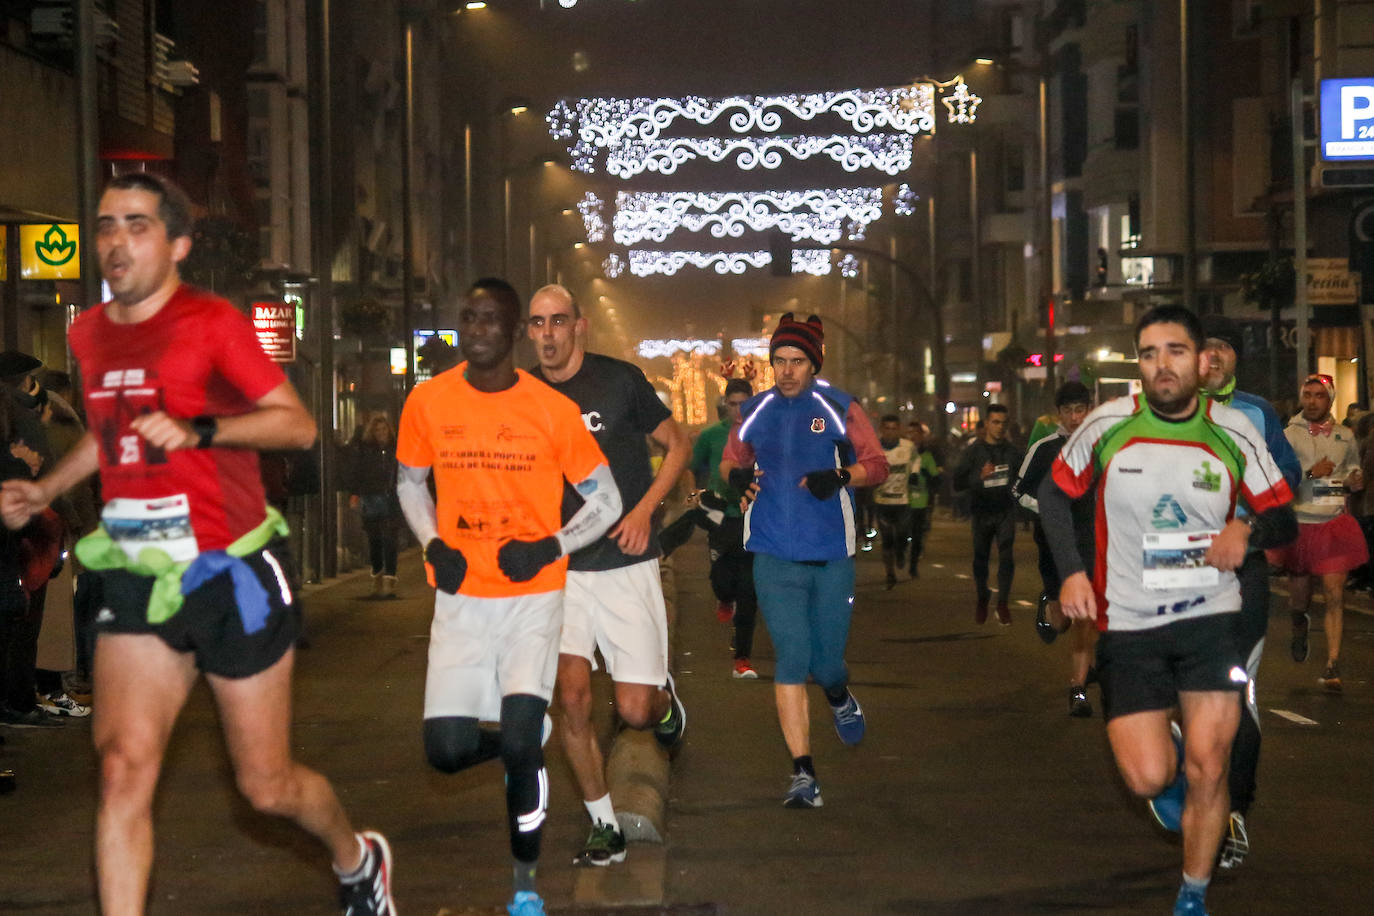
(1357, 104)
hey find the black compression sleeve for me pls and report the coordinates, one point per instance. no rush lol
(1274, 528)
(1057, 519)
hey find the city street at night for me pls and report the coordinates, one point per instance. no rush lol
(973, 793)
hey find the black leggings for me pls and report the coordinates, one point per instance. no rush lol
(732, 579)
(999, 527)
(1251, 624)
(381, 543)
(454, 743)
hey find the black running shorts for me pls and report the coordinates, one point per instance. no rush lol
(1142, 670)
(208, 623)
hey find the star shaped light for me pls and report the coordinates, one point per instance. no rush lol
(962, 104)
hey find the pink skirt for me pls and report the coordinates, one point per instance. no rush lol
(1336, 546)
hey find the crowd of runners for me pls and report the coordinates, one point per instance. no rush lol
(1158, 517)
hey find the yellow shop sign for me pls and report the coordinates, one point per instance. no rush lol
(49, 251)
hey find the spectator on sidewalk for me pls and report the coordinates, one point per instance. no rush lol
(373, 489)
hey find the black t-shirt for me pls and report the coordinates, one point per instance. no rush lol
(619, 408)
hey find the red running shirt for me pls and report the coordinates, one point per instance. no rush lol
(197, 355)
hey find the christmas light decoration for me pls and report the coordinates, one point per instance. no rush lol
(655, 349)
(818, 214)
(849, 266)
(750, 346)
(645, 263)
(890, 153)
(904, 204)
(613, 266)
(962, 103)
(590, 206)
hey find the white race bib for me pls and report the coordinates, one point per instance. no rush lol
(1327, 491)
(163, 523)
(1175, 560)
(1000, 476)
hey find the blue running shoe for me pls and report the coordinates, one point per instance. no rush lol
(1167, 806)
(526, 903)
(804, 792)
(849, 721)
(1189, 903)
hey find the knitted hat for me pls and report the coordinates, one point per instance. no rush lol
(1222, 328)
(807, 336)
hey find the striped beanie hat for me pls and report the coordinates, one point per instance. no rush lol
(807, 336)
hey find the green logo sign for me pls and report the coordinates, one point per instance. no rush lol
(54, 248)
(1204, 478)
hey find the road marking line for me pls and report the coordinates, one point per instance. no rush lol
(1294, 717)
(1024, 603)
(962, 576)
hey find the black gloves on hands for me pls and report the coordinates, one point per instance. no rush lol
(449, 565)
(522, 560)
(826, 483)
(741, 479)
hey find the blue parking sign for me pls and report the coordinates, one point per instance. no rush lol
(1347, 119)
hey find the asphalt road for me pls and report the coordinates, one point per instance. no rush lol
(974, 792)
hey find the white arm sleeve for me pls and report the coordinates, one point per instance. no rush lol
(598, 513)
(416, 503)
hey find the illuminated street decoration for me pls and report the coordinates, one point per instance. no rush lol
(750, 346)
(962, 104)
(904, 204)
(590, 207)
(849, 266)
(644, 263)
(821, 214)
(890, 153)
(653, 349)
(613, 266)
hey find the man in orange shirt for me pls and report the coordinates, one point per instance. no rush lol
(500, 444)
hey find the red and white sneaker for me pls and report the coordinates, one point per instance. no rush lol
(370, 893)
(745, 670)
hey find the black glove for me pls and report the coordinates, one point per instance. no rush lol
(449, 565)
(826, 483)
(741, 479)
(522, 560)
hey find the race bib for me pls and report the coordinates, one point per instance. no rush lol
(1000, 476)
(1175, 560)
(1328, 492)
(163, 523)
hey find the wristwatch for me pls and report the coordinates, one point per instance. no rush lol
(204, 426)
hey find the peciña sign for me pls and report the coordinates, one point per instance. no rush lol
(275, 322)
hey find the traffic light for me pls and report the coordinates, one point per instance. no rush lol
(780, 250)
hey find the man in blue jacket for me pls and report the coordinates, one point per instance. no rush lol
(1223, 347)
(800, 448)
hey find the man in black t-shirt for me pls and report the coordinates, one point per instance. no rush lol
(986, 471)
(613, 600)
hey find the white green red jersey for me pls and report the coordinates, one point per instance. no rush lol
(1162, 488)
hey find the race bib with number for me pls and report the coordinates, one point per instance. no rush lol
(163, 523)
(1327, 491)
(1000, 476)
(1175, 559)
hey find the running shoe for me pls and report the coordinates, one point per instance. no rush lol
(1299, 647)
(744, 670)
(605, 846)
(805, 792)
(725, 611)
(33, 718)
(1331, 678)
(674, 723)
(1003, 614)
(546, 731)
(1189, 904)
(1079, 707)
(370, 895)
(849, 721)
(59, 704)
(1167, 806)
(526, 903)
(1043, 628)
(980, 613)
(1235, 846)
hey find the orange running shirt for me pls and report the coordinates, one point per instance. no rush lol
(499, 462)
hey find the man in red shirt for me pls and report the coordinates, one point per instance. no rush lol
(180, 398)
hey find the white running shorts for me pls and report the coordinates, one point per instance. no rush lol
(621, 612)
(482, 649)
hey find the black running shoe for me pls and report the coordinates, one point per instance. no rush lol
(370, 895)
(1299, 647)
(669, 731)
(1043, 628)
(1079, 707)
(605, 845)
(1235, 846)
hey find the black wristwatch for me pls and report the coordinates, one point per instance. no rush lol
(204, 426)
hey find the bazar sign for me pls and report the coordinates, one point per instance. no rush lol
(1330, 282)
(275, 322)
(49, 251)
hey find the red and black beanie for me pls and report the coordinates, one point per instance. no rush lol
(807, 336)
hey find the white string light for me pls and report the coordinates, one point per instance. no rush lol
(590, 206)
(653, 349)
(890, 153)
(750, 346)
(820, 214)
(962, 104)
(849, 266)
(645, 263)
(904, 204)
(613, 266)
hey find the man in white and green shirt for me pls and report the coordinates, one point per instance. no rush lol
(1170, 467)
(889, 497)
